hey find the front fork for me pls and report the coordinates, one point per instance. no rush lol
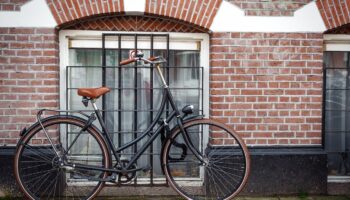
(189, 143)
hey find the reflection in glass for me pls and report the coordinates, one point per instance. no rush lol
(337, 112)
(184, 77)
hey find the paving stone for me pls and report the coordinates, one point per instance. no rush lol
(331, 198)
(260, 198)
(296, 198)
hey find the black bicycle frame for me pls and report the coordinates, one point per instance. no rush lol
(167, 97)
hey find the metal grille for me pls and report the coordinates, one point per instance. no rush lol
(136, 92)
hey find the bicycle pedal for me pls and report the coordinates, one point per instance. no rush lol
(147, 168)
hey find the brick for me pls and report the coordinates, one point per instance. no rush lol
(21, 75)
(238, 88)
(19, 98)
(21, 31)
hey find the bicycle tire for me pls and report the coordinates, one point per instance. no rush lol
(36, 167)
(228, 161)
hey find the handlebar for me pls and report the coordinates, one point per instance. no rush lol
(151, 60)
(128, 61)
(138, 56)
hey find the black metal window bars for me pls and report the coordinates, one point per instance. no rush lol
(125, 110)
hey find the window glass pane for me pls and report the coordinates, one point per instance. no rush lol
(185, 81)
(337, 78)
(85, 57)
(85, 77)
(336, 100)
(337, 112)
(112, 57)
(337, 121)
(336, 59)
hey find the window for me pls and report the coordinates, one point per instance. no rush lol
(337, 106)
(136, 92)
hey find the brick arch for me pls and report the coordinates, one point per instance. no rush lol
(335, 14)
(134, 23)
(199, 12)
(66, 11)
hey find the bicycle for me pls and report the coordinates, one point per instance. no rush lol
(67, 156)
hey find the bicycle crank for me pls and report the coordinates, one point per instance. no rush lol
(127, 176)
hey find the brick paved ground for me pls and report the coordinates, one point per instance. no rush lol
(239, 198)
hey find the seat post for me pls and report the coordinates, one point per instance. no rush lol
(161, 75)
(93, 103)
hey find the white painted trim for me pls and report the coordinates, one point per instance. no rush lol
(336, 37)
(231, 18)
(338, 179)
(135, 7)
(64, 62)
(142, 44)
(335, 42)
(337, 47)
(66, 35)
(35, 13)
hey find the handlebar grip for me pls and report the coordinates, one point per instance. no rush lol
(128, 61)
(153, 58)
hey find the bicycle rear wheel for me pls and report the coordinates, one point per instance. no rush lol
(226, 165)
(38, 169)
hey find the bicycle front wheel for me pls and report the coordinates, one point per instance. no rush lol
(223, 169)
(39, 171)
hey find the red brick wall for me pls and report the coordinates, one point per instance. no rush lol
(270, 7)
(11, 5)
(268, 86)
(28, 77)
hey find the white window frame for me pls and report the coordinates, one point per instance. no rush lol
(337, 42)
(180, 40)
(66, 35)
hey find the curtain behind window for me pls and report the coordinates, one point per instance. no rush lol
(337, 112)
(184, 76)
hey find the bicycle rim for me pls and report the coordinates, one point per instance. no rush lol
(226, 167)
(38, 170)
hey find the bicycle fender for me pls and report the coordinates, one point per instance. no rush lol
(25, 131)
(168, 137)
(189, 119)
